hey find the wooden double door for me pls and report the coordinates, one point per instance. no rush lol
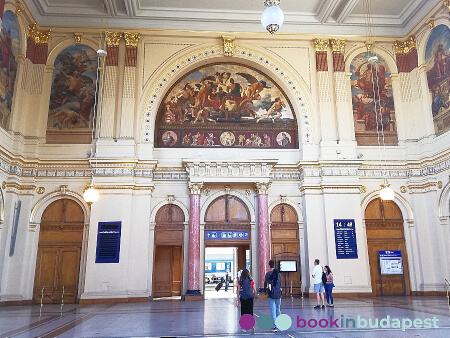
(168, 271)
(59, 253)
(384, 230)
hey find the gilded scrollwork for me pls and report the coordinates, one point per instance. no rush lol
(195, 188)
(262, 188)
(78, 38)
(405, 46)
(338, 45)
(18, 10)
(38, 36)
(228, 45)
(113, 38)
(131, 39)
(321, 44)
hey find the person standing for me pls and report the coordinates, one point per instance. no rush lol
(273, 283)
(318, 285)
(246, 292)
(226, 281)
(329, 286)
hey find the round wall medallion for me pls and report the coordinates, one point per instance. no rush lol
(403, 189)
(40, 190)
(362, 189)
(440, 185)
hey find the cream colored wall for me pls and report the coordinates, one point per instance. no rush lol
(327, 180)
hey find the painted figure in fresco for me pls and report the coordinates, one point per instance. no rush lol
(274, 112)
(69, 119)
(441, 61)
(283, 139)
(6, 51)
(438, 101)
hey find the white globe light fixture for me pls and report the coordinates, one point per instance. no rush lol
(273, 17)
(386, 193)
(90, 195)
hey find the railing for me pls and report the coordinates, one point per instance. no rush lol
(48, 296)
(447, 286)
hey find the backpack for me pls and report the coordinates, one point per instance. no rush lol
(324, 278)
(246, 289)
(275, 285)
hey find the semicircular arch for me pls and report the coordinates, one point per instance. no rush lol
(294, 205)
(165, 202)
(401, 202)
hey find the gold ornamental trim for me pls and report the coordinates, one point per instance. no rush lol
(362, 189)
(38, 36)
(124, 187)
(403, 189)
(369, 46)
(113, 38)
(228, 45)
(447, 4)
(406, 46)
(4, 185)
(262, 188)
(78, 37)
(440, 185)
(423, 186)
(40, 190)
(19, 10)
(19, 186)
(338, 45)
(431, 24)
(131, 39)
(321, 44)
(195, 188)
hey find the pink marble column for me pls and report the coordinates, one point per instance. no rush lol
(263, 231)
(193, 287)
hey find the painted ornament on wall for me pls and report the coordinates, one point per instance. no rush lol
(9, 51)
(72, 96)
(371, 86)
(437, 61)
(226, 105)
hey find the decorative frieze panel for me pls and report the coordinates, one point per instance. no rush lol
(245, 171)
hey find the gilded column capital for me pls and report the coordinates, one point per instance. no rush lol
(38, 36)
(262, 188)
(321, 44)
(131, 39)
(338, 45)
(195, 188)
(228, 45)
(405, 46)
(113, 38)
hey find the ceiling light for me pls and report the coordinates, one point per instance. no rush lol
(272, 18)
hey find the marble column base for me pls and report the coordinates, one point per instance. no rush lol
(192, 295)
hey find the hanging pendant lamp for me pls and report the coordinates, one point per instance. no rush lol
(273, 17)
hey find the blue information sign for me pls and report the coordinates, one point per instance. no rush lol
(345, 236)
(391, 262)
(226, 235)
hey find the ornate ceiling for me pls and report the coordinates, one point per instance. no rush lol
(390, 17)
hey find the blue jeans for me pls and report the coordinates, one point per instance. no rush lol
(274, 305)
(329, 293)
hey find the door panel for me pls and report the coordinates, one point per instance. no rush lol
(162, 272)
(177, 270)
(70, 265)
(46, 275)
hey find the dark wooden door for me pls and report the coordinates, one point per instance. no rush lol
(167, 276)
(59, 253)
(384, 229)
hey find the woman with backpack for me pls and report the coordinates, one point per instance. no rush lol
(329, 285)
(246, 292)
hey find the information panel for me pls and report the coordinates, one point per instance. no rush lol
(227, 235)
(391, 262)
(345, 237)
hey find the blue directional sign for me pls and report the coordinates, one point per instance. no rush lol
(345, 237)
(227, 235)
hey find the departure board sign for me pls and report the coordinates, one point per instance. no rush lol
(391, 262)
(227, 235)
(345, 237)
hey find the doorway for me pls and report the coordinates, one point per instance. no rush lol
(59, 253)
(384, 229)
(168, 252)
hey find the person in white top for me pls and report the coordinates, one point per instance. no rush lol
(318, 285)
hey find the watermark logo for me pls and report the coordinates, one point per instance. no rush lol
(284, 322)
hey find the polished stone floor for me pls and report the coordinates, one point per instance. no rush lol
(218, 317)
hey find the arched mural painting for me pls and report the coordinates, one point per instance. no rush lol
(372, 91)
(437, 61)
(72, 96)
(9, 51)
(226, 105)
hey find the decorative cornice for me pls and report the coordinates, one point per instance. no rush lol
(113, 38)
(338, 45)
(195, 188)
(131, 39)
(124, 187)
(321, 45)
(38, 36)
(406, 46)
(18, 186)
(262, 188)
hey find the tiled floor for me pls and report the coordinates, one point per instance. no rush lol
(217, 317)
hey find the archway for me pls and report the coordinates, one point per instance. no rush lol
(227, 230)
(59, 252)
(168, 257)
(285, 246)
(384, 229)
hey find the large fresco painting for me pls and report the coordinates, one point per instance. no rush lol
(437, 60)
(226, 105)
(72, 96)
(9, 51)
(373, 101)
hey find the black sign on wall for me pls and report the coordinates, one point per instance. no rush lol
(108, 242)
